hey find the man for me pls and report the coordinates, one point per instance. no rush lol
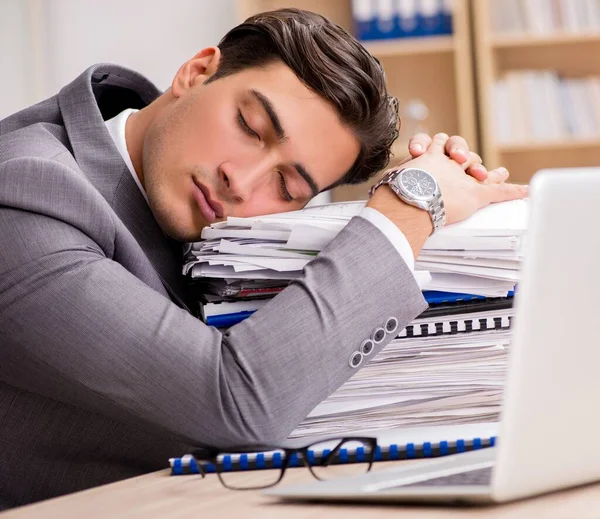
(104, 373)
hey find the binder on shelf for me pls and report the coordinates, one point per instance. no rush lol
(363, 12)
(391, 19)
(407, 18)
(544, 17)
(398, 444)
(447, 16)
(430, 17)
(386, 20)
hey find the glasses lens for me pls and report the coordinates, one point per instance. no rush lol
(239, 471)
(339, 458)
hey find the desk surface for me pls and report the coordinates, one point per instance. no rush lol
(158, 495)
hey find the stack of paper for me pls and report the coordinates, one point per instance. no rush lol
(446, 367)
(481, 255)
(443, 380)
(243, 260)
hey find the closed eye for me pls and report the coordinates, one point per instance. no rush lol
(285, 194)
(245, 127)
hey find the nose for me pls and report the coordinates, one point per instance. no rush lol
(240, 182)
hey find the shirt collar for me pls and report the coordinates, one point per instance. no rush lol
(116, 128)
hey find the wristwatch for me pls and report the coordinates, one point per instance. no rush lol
(419, 188)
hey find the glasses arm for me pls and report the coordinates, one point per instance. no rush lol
(205, 456)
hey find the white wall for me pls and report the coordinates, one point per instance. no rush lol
(45, 44)
(15, 88)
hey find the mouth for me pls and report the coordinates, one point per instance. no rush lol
(210, 209)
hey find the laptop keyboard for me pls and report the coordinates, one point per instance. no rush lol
(471, 477)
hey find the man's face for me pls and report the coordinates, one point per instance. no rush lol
(255, 142)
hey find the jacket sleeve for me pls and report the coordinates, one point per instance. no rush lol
(76, 326)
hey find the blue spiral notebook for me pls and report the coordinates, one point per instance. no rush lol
(393, 444)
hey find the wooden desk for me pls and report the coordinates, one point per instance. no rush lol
(159, 495)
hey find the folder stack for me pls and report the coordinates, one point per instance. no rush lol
(243, 262)
(446, 367)
(414, 382)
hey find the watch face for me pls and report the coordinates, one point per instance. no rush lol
(418, 183)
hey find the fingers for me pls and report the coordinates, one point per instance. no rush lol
(503, 192)
(438, 143)
(457, 149)
(473, 160)
(478, 171)
(495, 176)
(475, 168)
(472, 164)
(419, 144)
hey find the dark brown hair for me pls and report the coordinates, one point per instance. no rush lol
(328, 60)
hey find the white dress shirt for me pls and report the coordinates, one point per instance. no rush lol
(116, 128)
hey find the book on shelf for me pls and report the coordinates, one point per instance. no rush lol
(390, 19)
(541, 106)
(544, 17)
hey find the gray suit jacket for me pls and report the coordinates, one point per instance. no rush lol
(104, 373)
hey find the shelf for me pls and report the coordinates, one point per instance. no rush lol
(518, 41)
(410, 46)
(535, 146)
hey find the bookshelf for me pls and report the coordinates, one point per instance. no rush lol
(432, 75)
(569, 55)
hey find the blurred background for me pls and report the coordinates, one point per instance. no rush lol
(519, 79)
(45, 44)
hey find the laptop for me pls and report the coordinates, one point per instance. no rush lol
(550, 424)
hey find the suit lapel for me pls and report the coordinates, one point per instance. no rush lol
(100, 93)
(165, 254)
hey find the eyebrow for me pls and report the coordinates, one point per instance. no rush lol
(281, 136)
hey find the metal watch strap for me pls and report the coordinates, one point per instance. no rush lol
(437, 212)
(384, 180)
(436, 209)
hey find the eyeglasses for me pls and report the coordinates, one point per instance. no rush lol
(328, 459)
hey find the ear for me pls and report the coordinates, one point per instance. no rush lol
(196, 71)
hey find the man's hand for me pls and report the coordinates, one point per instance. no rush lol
(457, 149)
(462, 193)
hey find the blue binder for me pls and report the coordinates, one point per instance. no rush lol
(227, 320)
(435, 297)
